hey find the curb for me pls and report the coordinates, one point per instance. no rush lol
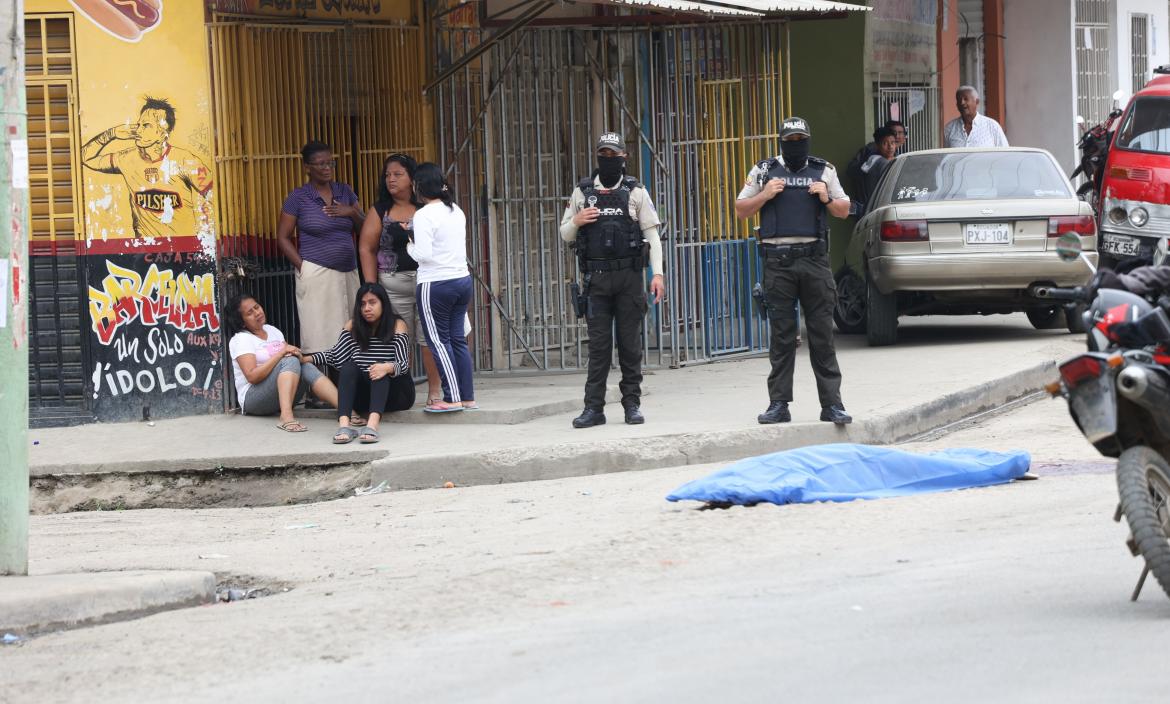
(628, 454)
(31, 605)
(278, 480)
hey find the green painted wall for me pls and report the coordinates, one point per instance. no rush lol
(829, 90)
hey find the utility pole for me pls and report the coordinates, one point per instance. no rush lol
(14, 294)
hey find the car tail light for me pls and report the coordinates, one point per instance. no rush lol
(1131, 173)
(905, 231)
(1080, 369)
(1080, 224)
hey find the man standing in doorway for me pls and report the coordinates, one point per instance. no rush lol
(612, 220)
(970, 129)
(794, 193)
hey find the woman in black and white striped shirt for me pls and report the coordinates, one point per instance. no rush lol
(373, 356)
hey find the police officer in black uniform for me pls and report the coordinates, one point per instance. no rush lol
(612, 220)
(794, 193)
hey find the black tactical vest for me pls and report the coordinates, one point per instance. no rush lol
(793, 212)
(614, 234)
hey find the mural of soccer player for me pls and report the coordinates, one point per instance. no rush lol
(170, 188)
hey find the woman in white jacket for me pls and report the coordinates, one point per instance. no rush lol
(444, 286)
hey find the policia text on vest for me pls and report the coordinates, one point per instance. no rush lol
(794, 193)
(612, 223)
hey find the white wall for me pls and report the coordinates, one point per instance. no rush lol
(1040, 77)
(1159, 33)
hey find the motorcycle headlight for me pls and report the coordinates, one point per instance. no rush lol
(1117, 216)
(1139, 217)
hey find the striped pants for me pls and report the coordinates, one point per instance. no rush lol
(441, 308)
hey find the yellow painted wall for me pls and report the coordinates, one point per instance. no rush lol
(114, 76)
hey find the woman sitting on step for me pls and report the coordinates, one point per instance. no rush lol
(270, 374)
(373, 356)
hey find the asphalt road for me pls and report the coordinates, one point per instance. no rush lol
(596, 589)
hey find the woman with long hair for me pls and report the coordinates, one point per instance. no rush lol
(372, 354)
(382, 248)
(270, 374)
(444, 286)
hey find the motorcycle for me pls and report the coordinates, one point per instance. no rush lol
(1118, 393)
(1094, 149)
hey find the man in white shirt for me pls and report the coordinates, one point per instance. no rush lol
(970, 129)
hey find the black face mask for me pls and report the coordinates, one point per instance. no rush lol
(795, 153)
(611, 169)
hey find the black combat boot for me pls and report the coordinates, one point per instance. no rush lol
(634, 416)
(589, 418)
(777, 413)
(836, 415)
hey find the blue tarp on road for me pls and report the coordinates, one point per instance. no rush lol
(843, 472)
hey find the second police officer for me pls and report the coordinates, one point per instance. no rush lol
(612, 220)
(793, 193)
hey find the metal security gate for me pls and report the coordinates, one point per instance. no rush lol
(277, 85)
(697, 104)
(58, 317)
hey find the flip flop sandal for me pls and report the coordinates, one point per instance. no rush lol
(442, 407)
(292, 426)
(472, 407)
(344, 436)
(356, 421)
(368, 435)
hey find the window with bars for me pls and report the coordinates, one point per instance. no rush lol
(1140, 50)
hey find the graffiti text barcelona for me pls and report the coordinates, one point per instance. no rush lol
(158, 296)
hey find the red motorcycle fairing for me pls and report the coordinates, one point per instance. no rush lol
(1112, 307)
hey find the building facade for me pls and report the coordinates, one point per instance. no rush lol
(161, 150)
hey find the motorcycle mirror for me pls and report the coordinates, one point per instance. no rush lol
(1118, 95)
(1069, 246)
(1080, 120)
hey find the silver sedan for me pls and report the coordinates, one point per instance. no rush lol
(964, 232)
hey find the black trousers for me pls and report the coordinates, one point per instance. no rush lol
(617, 303)
(357, 392)
(809, 280)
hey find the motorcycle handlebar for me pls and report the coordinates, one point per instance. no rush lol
(1079, 294)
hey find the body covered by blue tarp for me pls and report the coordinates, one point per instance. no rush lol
(843, 472)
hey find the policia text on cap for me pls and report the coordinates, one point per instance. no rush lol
(614, 226)
(792, 193)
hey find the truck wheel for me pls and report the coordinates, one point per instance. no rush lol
(1143, 480)
(881, 316)
(849, 313)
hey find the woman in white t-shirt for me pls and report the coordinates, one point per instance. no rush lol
(270, 376)
(439, 245)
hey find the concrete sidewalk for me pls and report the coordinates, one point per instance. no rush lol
(942, 370)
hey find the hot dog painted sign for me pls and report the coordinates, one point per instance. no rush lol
(125, 19)
(147, 232)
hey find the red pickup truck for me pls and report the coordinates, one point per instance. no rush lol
(1135, 192)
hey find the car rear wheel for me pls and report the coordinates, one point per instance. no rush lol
(849, 313)
(881, 316)
(1046, 318)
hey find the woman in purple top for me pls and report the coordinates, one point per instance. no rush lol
(325, 215)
